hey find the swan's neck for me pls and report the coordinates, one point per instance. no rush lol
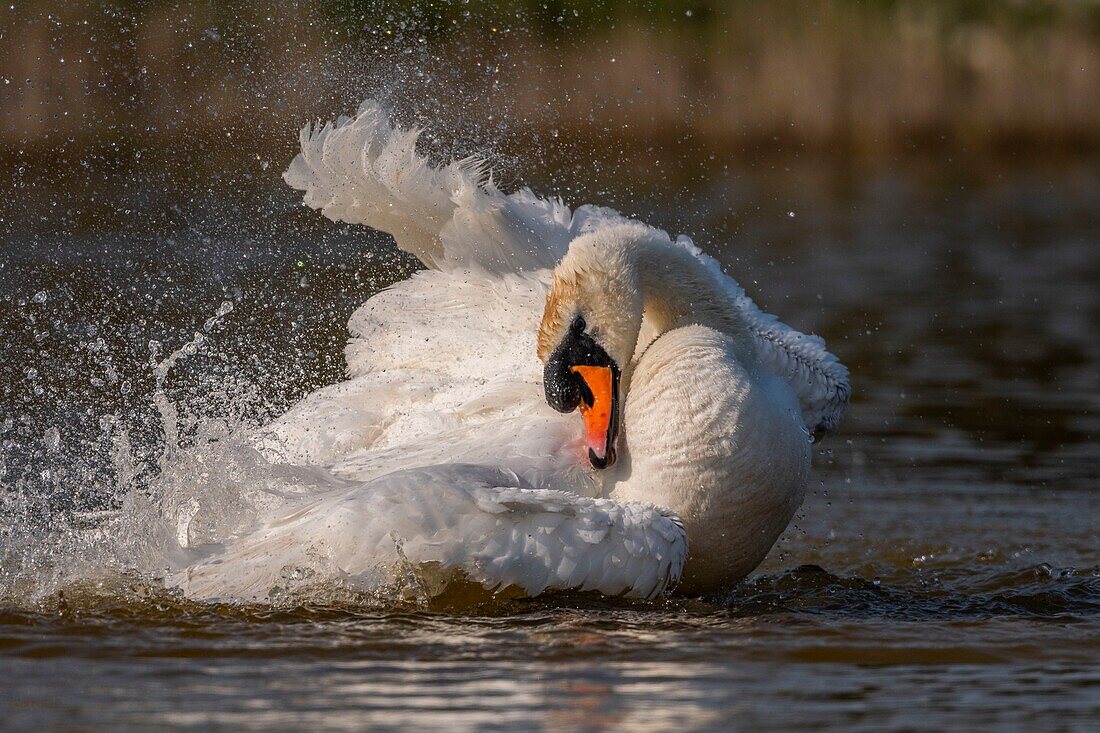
(705, 434)
(631, 284)
(671, 285)
(679, 290)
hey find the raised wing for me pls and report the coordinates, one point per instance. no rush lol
(362, 170)
(477, 520)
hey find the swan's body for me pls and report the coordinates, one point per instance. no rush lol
(442, 448)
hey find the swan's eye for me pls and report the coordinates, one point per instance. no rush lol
(578, 324)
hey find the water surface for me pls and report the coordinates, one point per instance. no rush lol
(943, 571)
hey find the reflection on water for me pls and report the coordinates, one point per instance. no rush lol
(583, 665)
(590, 697)
(942, 574)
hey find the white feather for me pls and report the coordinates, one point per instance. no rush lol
(818, 379)
(363, 170)
(474, 519)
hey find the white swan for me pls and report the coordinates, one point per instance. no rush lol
(442, 450)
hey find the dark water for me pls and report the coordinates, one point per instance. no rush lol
(944, 573)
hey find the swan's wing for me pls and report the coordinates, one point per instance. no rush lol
(443, 370)
(543, 450)
(451, 324)
(363, 170)
(430, 357)
(818, 379)
(474, 519)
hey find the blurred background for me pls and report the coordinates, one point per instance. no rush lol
(197, 90)
(917, 182)
(872, 79)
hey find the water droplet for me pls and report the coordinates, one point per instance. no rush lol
(52, 439)
(39, 297)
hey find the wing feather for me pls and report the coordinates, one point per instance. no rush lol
(364, 170)
(452, 217)
(478, 520)
(819, 381)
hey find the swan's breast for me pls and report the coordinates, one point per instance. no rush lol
(720, 445)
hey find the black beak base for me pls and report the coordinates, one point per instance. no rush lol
(604, 462)
(566, 390)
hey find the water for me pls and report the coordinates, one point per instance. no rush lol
(942, 573)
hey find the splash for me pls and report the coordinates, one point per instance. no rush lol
(205, 483)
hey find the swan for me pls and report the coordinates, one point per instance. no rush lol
(453, 447)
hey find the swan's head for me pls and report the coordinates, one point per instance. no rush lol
(588, 333)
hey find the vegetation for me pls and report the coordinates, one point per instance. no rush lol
(877, 78)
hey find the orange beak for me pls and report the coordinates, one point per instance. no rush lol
(600, 413)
